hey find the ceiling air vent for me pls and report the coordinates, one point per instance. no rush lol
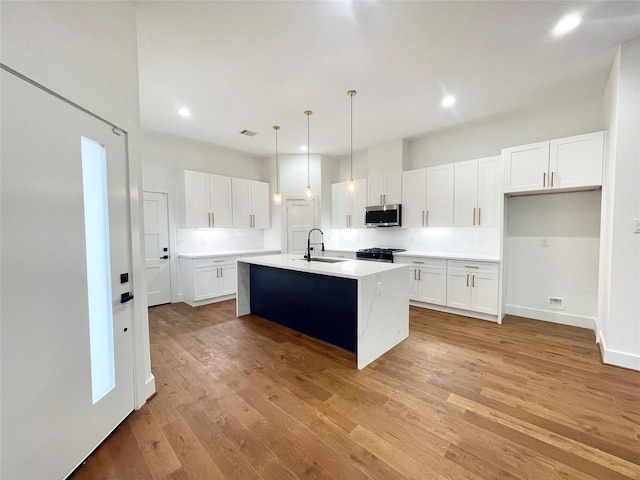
(248, 133)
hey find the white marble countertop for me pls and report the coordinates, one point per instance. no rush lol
(450, 256)
(227, 253)
(344, 268)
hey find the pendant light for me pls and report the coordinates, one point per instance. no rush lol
(277, 198)
(308, 193)
(351, 186)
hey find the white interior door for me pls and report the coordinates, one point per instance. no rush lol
(66, 345)
(156, 244)
(301, 217)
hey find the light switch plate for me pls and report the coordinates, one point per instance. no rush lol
(636, 225)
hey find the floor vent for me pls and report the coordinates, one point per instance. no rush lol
(556, 303)
(248, 133)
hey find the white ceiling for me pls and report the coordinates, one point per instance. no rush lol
(251, 65)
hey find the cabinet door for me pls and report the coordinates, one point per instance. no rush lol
(526, 167)
(440, 196)
(466, 194)
(484, 293)
(433, 286)
(196, 199)
(358, 202)
(220, 201)
(260, 204)
(227, 279)
(392, 189)
(414, 197)
(241, 194)
(340, 205)
(458, 289)
(576, 161)
(490, 196)
(206, 283)
(375, 191)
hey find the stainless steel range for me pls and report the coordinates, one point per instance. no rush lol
(377, 254)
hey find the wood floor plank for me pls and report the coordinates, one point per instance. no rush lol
(243, 398)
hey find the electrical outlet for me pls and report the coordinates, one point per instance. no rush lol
(544, 242)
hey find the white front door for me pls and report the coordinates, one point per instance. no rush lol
(66, 345)
(301, 217)
(156, 245)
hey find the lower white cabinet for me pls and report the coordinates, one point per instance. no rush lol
(427, 279)
(205, 279)
(473, 286)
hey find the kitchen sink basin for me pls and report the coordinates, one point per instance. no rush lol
(325, 260)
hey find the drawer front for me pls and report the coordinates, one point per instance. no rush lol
(474, 267)
(212, 261)
(423, 262)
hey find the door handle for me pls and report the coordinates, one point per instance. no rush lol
(126, 297)
(474, 216)
(473, 281)
(164, 257)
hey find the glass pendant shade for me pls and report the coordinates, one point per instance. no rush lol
(308, 193)
(277, 198)
(351, 187)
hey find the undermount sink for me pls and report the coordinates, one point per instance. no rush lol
(325, 260)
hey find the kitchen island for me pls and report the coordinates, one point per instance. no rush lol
(361, 307)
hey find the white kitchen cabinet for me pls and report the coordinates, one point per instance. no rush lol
(440, 186)
(206, 279)
(478, 192)
(348, 210)
(473, 286)
(385, 190)
(414, 198)
(250, 203)
(207, 200)
(565, 164)
(427, 279)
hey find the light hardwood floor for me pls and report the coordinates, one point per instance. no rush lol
(242, 398)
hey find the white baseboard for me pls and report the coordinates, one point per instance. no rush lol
(553, 317)
(619, 359)
(148, 390)
(455, 311)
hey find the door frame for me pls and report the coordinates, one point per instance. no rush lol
(284, 233)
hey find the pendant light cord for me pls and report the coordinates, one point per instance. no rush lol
(308, 151)
(351, 137)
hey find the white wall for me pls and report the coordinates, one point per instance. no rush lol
(567, 268)
(87, 52)
(164, 159)
(619, 324)
(489, 136)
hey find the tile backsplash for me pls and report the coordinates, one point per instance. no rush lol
(479, 241)
(193, 240)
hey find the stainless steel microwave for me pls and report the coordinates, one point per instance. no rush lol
(383, 216)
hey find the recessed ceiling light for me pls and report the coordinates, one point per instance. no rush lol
(303, 148)
(448, 100)
(184, 112)
(567, 24)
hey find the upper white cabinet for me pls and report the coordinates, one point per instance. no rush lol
(440, 184)
(565, 164)
(385, 190)
(250, 203)
(414, 198)
(207, 200)
(478, 192)
(348, 210)
(386, 163)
